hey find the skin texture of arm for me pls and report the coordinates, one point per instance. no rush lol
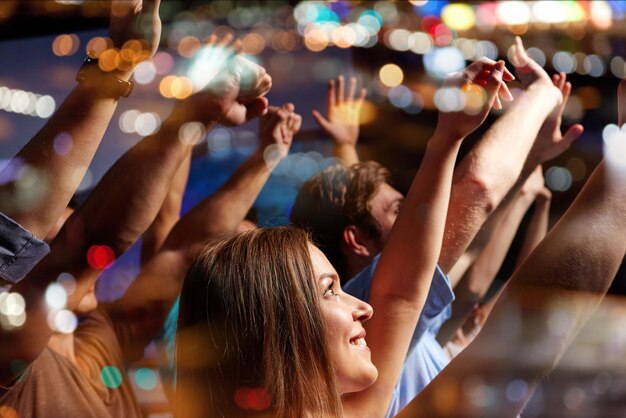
(538, 226)
(342, 121)
(479, 277)
(496, 168)
(83, 117)
(169, 214)
(152, 294)
(570, 271)
(404, 272)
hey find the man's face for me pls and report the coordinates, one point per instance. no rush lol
(384, 206)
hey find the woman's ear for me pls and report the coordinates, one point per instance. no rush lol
(356, 241)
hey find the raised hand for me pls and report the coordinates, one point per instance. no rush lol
(526, 69)
(472, 94)
(550, 143)
(342, 120)
(276, 131)
(229, 88)
(136, 20)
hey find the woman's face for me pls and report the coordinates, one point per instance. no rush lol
(344, 316)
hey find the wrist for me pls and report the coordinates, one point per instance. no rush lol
(446, 134)
(270, 155)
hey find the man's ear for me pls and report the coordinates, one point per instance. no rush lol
(356, 241)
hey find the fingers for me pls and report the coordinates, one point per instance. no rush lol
(571, 135)
(340, 90)
(360, 99)
(493, 84)
(351, 89)
(520, 58)
(321, 120)
(330, 97)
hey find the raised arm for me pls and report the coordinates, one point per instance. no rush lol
(498, 165)
(402, 278)
(538, 226)
(119, 211)
(169, 214)
(152, 294)
(342, 120)
(79, 125)
(479, 277)
(569, 273)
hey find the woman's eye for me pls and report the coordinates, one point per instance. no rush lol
(329, 292)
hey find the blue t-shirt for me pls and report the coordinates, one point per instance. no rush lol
(425, 358)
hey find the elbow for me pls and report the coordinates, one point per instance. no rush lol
(482, 190)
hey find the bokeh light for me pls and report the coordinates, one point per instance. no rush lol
(391, 75)
(111, 377)
(100, 256)
(145, 378)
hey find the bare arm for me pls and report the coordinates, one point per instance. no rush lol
(116, 214)
(168, 215)
(82, 118)
(404, 273)
(570, 271)
(523, 138)
(538, 226)
(478, 279)
(342, 121)
(152, 294)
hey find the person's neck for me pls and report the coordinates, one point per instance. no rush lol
(63, 344)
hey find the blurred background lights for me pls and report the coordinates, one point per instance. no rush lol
(400, 96)
(12, 304)
(594, 66)
(100, 256)
(12, 310)
(147, 123)
(516, 390)
(441, 61)
(191, 133)
(391, 75)
(398, 39)
(449, 99)
(513, 12)
(64, 45)
(127, 121)
(55, 296)
(26, 102)
(145, 378)
(564, 61)
(64, 321)
(420, 42)
(68, 282)
(558, 179)
(548, 11)
(220, 141)
(62, 143)
(145, 72)
(111, 377)
(45, 107)
(458, 16)
(537, 55)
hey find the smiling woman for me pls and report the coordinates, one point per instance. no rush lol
(247, 324)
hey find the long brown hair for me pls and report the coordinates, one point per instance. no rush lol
(250, 318)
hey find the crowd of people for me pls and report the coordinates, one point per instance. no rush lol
(369, 304)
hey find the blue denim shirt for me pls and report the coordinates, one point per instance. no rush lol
(425, 358)
(20, 251)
